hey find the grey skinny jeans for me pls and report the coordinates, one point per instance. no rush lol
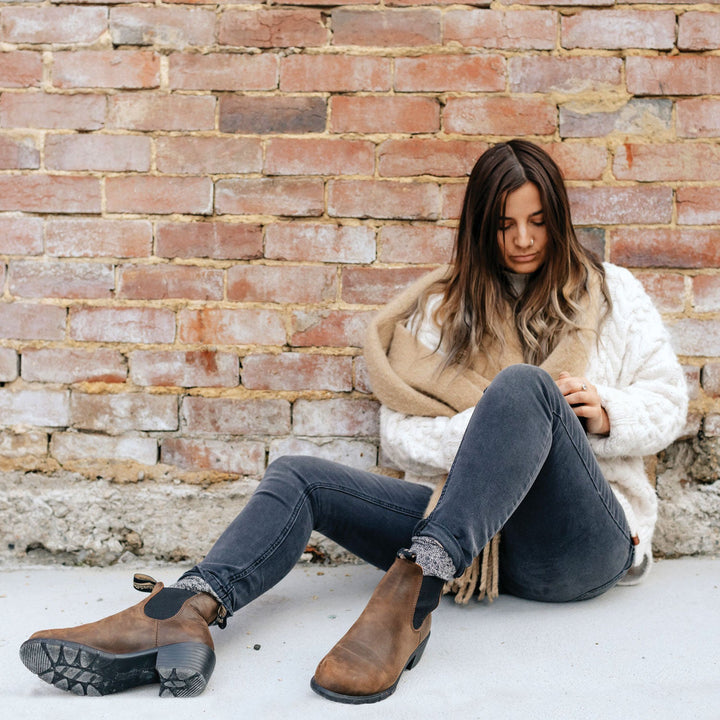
(524, 466)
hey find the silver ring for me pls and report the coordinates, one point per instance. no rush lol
(584, 386)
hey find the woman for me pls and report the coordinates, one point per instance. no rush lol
(531, 374)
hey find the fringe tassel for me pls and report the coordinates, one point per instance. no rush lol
(481, 576)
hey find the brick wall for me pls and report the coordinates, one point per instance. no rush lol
(202, 204)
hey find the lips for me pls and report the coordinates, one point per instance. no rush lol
(523, 258)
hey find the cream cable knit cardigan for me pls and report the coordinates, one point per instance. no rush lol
(640, 383)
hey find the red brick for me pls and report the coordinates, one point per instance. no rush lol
(711, 378)
(699, 338)
(500, 116)
(384, 114)
(331, 328)
(175, 28)
(221, 241)
(667, 162)
(18, 153)
(611, 29)
(332, 3)
(692, 378)
(20, 68)
(86, 237)
(71, 365)
(161, 195)
(335, 73)
(108, 153)
(201, 368)
(36, 25)
(281, 283)
(270, 196)
(119, 413)
(275, 114)
(706, 293)
(579, 161)
(272, 28)
(698, 205)
(50, 193)
(122, 324)
(67, 447)
(415, 244)
(158, 282)
(619, 205)
(241, 458)
(349, 452)
(58, 279)
(698, 31)
(678, 75)
(340, 416)
(442, 158)
(383, 199)
(23, 321)
(9, 367)
(225, 326)
(664, 247)
(413, 3)
(136, 111)
(530, 30)
(209, 155)
(223, 71)
(667, 290)
(235, 416)
(320, 243)
(319, 156)
(56, 112)
(106, 69)
(372, 286)
(362, 378)
(21, 236)
(386, 28)
(452, 196)
(592, 239)
(443, 73)
(699, 117)
(40, 408)
(297, 371)
(565, 74)
(638, 116)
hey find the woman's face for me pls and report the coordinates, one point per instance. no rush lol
(522, 236)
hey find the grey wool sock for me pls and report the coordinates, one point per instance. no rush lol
(431, 556)
(196, 584)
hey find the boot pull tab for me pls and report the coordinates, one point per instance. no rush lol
(144, 583)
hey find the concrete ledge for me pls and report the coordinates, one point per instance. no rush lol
(649, 651)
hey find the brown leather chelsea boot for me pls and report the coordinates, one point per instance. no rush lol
(165, 638)
(389, 637)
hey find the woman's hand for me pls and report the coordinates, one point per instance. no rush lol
(583, 398)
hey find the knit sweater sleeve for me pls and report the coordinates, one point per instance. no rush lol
(424, 446)
(641, 384)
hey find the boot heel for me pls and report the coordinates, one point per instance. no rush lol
(415, 657)
(184, 669)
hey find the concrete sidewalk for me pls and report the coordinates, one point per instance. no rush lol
(650, 652)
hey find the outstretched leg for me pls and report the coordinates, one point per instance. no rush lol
(165, 638)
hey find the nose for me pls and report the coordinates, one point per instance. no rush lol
(523, 237)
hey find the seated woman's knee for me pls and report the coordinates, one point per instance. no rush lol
(522, 377)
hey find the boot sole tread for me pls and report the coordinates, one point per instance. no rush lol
(182, 670)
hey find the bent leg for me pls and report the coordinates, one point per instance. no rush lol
(525, 466)
(370, 515)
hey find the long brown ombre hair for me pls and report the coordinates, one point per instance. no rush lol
(477, 292)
